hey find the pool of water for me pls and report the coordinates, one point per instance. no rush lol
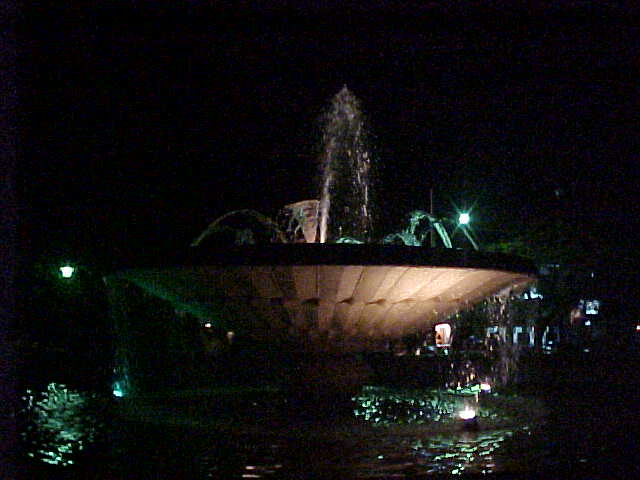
(384, 433)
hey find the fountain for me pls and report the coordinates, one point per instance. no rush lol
(345, 202)
(321, 288)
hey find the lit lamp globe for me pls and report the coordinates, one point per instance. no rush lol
(469, 418)
(464, 219)
(67, 271)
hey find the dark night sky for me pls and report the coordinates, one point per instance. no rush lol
(139, 126)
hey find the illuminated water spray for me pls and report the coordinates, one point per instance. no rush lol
(345, 201)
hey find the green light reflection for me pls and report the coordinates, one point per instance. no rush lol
(60, 423)
(439, 444)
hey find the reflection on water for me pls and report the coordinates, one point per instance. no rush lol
(360, 455)
(59, 423)
(390, 433)
(382, 406)
(440, 408)
(432, 450)
(468, 453)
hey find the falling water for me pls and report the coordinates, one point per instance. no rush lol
(493, 358)
(345, 203)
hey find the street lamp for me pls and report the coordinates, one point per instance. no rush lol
(67, 271)
(463, 222)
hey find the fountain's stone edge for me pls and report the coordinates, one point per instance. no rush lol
(327, 254)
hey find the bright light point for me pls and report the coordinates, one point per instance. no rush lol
(587, 323)
(637, 328)
(464, 219)
(485, 387)
(207, 325)
(467, 414)
(118, 393)
(67, 271)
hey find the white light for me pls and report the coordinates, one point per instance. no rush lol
(207, 325)
(67, 271)
(467, 413)
(464, 219)
(533, 294)
(637, 328)
(587, 323)
(485, 387)
(443, 334)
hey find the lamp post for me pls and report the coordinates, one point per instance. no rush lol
(463, 221)
(432, 233)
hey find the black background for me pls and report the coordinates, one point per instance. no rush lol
(141, 124)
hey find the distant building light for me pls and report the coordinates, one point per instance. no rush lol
(637, 328)
(533, 294)
(207, 325)
(67, 271)
(592, 307)
(485, 387)
(587, 323)
(548, 268)
(230, 336)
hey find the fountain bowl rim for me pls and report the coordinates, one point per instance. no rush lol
(309, 254)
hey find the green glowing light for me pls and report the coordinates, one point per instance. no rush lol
(118, 390)
(464, 219)
(67, 271)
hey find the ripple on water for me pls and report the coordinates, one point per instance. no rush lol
(412, 433)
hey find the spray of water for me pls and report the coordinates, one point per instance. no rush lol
(345, 203)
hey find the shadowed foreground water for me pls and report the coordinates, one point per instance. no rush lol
(589, 429)
(91, 440)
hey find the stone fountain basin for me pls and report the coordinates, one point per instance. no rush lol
(348, 296)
